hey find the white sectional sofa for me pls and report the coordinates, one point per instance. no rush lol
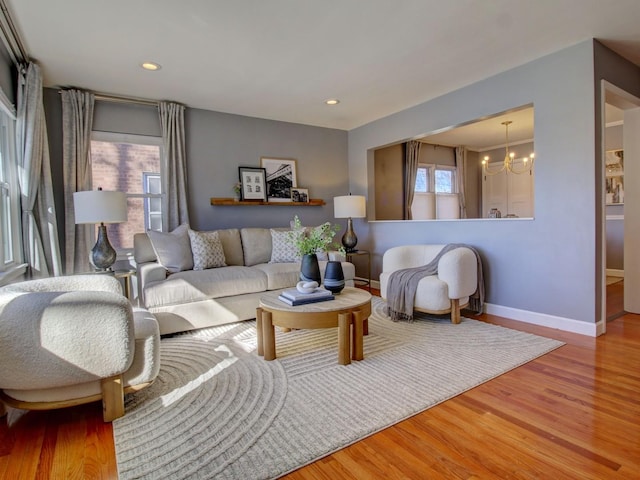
(191, 299)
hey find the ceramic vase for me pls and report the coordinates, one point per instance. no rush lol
(309, 268)
(334, 277)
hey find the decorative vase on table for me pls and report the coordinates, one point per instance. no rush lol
(334, 277)
(309, 268)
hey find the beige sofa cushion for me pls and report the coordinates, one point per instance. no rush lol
(280, 275)
(256, 244)
(232, 246)
(190, 286)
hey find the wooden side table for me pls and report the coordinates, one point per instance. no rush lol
(126, 275)
(365, 281)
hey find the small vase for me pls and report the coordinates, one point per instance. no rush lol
(334, 277)
(309, 268)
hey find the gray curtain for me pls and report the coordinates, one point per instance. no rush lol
(461, 159)
(412, 158)
(77, 122)
(39, 227)
(175, 161)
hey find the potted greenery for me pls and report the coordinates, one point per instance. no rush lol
(309, 242)
(237, 189)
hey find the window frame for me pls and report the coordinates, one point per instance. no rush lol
(115, 137)
(431, 170)
(13, 266)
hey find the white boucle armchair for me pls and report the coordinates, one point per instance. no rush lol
(70, 340)
(446, 292)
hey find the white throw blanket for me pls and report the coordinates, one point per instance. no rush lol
(401, 291)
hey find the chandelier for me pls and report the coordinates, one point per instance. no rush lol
(510, 164)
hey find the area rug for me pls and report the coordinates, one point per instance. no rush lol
(217, 410)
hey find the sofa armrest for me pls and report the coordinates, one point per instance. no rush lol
(148, 273)
(458, 268)
(54, 339)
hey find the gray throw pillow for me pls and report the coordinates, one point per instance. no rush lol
(173, 249)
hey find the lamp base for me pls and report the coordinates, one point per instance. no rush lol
(103, 254)
(349, 239)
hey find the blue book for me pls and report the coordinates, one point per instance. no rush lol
(294, 294)
(304, 301)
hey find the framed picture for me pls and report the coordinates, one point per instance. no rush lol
(300, 195)
(281, 178)
(614, 177)
(254, 183)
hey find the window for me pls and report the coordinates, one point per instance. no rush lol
(130, 164)
(445, 180)
(11, 252)
(422, 180)
(435, 178)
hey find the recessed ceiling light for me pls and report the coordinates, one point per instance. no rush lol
(151, 66)
(332, 101)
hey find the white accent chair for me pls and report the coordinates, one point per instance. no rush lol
(446, 292)
(70, 340)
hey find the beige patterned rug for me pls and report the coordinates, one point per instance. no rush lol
(217, 410)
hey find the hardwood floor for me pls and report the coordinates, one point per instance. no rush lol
(571, 414)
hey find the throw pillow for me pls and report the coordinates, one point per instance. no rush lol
(283, 249)
(207, 250)
(173, 250)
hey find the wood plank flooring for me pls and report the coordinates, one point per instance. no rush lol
(571, 414)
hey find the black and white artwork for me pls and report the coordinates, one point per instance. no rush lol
(281, 178)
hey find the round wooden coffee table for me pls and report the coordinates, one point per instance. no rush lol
(351, 307)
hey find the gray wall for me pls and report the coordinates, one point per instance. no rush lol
(544, 265)
(217, 144)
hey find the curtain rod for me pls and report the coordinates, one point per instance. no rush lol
(107, 97)
(11, 37)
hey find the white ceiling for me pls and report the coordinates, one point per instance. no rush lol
(280, 59)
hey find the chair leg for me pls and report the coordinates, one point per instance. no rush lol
(455, 310)
(112, 398)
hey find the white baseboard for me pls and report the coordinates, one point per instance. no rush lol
(612, 272)
(541, 319)
(544, 320)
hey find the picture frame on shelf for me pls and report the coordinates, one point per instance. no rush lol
(300, 195)
(254, 183)
(614, 177)
(281, 178)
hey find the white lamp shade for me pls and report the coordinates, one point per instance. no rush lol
(100, 206)
(349, 206)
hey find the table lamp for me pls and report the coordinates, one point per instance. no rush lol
(100, 206)
(349, 206)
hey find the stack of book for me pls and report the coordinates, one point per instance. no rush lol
(293, 297)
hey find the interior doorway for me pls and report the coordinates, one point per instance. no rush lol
(621, 167)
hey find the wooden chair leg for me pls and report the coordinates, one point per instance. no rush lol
(455, 310)
(112, 398)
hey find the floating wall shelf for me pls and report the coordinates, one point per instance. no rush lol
(232, 202)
